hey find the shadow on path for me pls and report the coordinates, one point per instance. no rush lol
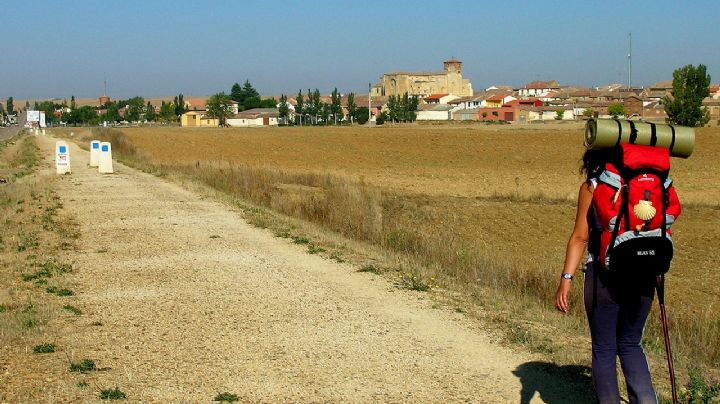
(555, 384)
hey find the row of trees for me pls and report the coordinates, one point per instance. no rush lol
(134, 109)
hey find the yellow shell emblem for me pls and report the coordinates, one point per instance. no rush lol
(644, 210)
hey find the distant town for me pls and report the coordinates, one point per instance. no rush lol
(425, 96)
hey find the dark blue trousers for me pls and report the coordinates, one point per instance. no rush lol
(617, 310)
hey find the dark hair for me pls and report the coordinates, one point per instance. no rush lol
(593, 161)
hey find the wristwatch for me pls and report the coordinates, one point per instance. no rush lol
(566, 276)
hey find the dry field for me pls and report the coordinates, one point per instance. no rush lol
(468, 201)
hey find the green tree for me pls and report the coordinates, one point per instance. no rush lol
(284, 109)
(250, 98)
(179, 103)
(325, 112)
(335, 107)
(167, 112)
(85, 115)
(317, 104)
(219, 106)
(363, 113)
(10, 106)
(351, 107)
(48, 107)
(588, 112)
(72, 102)
(690, 85)
(150, 115)
(133, 108)
(381, 118)
(402, 108)
(300, 106)
(559, 114)
(393, 105)
(236, 93)
(268, 103)
(112, 113)
(616, 109)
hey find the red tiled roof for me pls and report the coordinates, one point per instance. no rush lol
(542, 84)
(436, 96)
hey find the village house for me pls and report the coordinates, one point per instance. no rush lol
(440, 98)
(435, 112)
(256, 117)
(538, 88)
(193, 119)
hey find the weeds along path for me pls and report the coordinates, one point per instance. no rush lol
(183, 300)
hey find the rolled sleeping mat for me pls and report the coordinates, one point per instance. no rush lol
(604, 133)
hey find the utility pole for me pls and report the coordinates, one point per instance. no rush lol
(630, 61)
(369, 103)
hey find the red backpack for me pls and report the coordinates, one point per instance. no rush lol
(635, 204)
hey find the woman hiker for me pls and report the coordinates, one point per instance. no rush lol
(616, 309)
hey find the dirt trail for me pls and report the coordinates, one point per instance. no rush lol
(193, 301)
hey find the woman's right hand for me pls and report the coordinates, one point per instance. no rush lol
(561, 296)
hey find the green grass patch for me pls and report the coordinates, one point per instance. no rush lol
(313, 249)
(4, 308)
(30, 323)
(415, 282)
(82, 384)
(699, 389)
(370, 268)
(226, 397)
(27, 241)
(300, 240)
(112, 394)
(282, 234)
(41, 273)
(72, 309)
(59, 291)
(44, 348)
(337, 256)
(84, 366)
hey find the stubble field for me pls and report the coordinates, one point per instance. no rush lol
(492, 205)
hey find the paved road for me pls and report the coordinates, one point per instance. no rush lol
(7, 133)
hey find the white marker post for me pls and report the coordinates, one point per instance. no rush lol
(62, 158)
(105, 159)
(94, 153)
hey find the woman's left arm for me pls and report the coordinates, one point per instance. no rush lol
(575, 247)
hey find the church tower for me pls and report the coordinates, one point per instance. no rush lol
(453, 66)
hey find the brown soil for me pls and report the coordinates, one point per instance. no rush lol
(465, 161)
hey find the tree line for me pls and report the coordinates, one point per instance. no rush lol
(134, 109)
(684, 106)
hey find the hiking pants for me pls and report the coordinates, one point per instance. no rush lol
(617, 314)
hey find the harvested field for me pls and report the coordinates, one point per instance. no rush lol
(466, 161)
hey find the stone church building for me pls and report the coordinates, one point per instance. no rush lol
(449, 81)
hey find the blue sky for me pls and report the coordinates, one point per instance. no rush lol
(165, 47)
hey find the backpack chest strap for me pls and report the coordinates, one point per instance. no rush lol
(616, 181)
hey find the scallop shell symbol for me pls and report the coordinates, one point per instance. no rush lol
(644, 210)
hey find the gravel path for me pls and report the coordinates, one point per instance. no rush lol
(193, 302)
